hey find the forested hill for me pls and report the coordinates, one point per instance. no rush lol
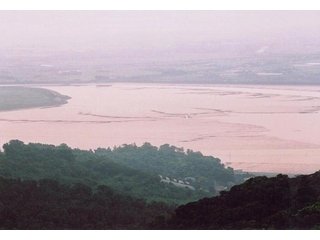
(202, 172)
(129, 170)
(259, 203)
(56, 187)
(47, 204)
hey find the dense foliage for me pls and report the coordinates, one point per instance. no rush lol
(129, 170)
(46, 204)
(173, 162)
(56, 187)
(259, 203)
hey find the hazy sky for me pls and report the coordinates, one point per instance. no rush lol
(156, 30)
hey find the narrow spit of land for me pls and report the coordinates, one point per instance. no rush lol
(17, 97)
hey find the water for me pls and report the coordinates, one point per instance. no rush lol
(254, 128)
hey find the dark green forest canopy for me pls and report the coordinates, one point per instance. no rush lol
(259, 203)
(56, 187)
(174, 162)
(17, 97)
(48, 204)
(128, 169)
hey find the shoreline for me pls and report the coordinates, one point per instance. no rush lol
(109, 83)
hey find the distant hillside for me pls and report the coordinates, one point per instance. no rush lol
(259, 203)
(128, 170)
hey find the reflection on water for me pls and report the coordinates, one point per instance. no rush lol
(255, 128)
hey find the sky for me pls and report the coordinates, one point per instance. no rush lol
(159, 31)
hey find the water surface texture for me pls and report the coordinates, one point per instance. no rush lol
(254, 128)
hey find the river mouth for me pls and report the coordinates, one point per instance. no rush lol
(254, 128)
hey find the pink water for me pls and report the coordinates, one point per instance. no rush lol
(254, 128)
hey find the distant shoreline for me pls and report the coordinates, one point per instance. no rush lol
(108, 83)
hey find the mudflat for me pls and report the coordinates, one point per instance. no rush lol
(250, 127)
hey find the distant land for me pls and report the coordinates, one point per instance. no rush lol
(259, 68)
(14, 98)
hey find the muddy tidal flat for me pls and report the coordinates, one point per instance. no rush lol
(254, 128)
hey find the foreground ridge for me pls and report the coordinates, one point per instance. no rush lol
(259, 203)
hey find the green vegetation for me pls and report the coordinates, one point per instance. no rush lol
(13, 98)
(203, 172)
(259, 203)
(47, 204)
(128, 170)
(56, 187)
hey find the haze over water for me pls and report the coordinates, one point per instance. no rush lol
(254, 128)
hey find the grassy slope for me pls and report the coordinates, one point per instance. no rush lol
(14, 98)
